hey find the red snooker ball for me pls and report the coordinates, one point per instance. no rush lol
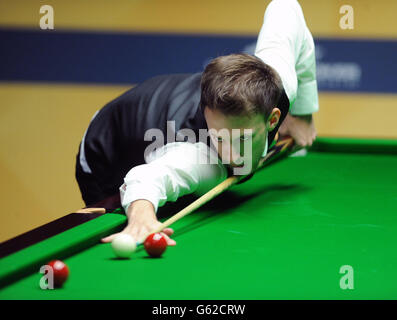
(155, 244)
(60, 272)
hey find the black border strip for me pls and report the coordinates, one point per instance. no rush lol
(44, 232)
(57, 226)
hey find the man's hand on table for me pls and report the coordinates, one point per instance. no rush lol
(141, 220)
(301, 128)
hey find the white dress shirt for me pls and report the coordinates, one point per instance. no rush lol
(286, 44)
(172, 171)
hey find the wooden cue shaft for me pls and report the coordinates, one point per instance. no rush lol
(199, 202)
(224, 185)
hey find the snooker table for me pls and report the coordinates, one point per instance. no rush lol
(283, 234)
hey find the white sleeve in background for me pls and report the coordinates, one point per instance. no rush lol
(172, 171)
(286, 44)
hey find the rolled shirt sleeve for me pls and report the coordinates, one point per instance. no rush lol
(286, 44)
(172, 171)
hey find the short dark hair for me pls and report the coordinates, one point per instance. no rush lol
(240, 84)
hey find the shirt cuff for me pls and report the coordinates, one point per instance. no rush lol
(140, 191)
(306, 100)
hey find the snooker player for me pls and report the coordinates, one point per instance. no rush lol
(273, 91)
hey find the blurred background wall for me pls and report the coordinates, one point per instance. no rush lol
(53, 81)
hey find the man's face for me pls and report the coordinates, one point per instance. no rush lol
(239, 140)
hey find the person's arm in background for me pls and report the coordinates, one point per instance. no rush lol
(286, 44)
(172, 171)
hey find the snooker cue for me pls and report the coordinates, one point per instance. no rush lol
(281, 149)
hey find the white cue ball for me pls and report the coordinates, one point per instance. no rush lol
(123, 245)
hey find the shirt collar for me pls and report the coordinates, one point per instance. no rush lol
(266, 146)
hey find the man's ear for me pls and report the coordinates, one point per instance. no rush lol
(273, 119)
